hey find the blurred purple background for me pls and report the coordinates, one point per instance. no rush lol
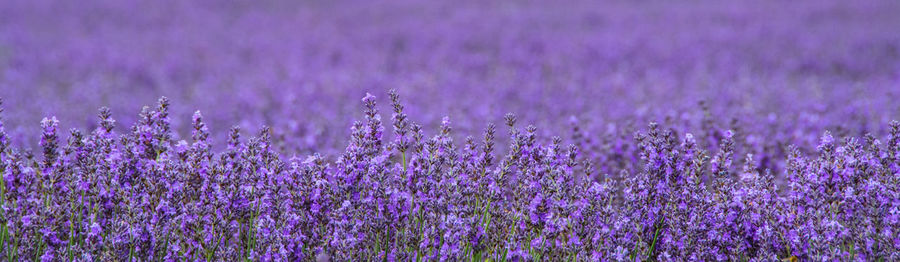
(302, 67)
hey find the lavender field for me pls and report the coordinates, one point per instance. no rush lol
(209, 130)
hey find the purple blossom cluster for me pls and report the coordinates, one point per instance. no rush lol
(137, 194)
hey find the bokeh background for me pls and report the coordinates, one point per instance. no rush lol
(303, 66)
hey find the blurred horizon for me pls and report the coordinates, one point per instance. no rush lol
(302, 67)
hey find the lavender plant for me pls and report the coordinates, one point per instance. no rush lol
(141, 196)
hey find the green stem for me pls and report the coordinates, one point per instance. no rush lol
(403, 158)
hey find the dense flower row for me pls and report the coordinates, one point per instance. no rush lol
(137, 194)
